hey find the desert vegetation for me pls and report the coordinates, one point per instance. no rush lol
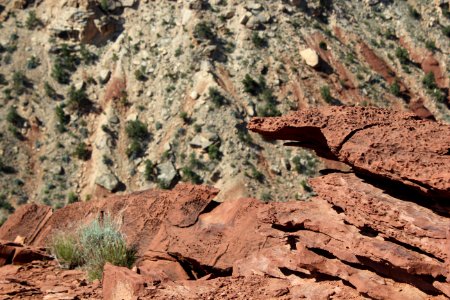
(92, 245)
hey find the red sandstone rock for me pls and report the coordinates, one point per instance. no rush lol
(377, 142)
(27, 223)
(121, 283)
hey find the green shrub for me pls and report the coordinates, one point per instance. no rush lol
(202, 31)
(104, 5)
(135, 150)
(257, 175)
(50, 91)
(190, 175)
(32, 20)
(251, 86)
(430, 45)
(185, 117)
(92, 246)
(87, 57)
(395, 89)
(258, 41)
(64, 245)
(78, 99)
(413, 12)
(14, 118)
(216, 97)
(3, 80)
(429, 81)
(72, 198)
(306, 187)
(136, 130)
(139, 74)
(326, 94)
(33, 62)
(151, 172)
(82, 152)
(446, 31)
(214, 152)
(195, 163)
(269, 106)
(65, 64)
(244, 136)
(402, 55)
(305, 164)
(4, 204)
(439, 95)
(20, 82)
(266, 197)
(62, 118)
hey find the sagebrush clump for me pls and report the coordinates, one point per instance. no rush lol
(91, 246)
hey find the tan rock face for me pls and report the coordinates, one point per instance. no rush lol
(357, 238)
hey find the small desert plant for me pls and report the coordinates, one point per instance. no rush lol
(429, 81)
(446, 31)
(326, 94)
(258, 41)
(151, 172)
(216, 97)
(251, 86)
(136, 130)
(62, 118)
(93, 245)
(140, 74)
(20, 82)
(202, 31)
(259, 176)
(402, 55)
(50, 91)
(430, 45)
(14, 118)
(78, 99)
(185, 117)
(87, 57)
(191, 176)
(413, 12)
(4, 204)
(135, 150)
(72, 198)
(32, 20)
(33, 62)
(82, 152)
(395, 89)
(214, 152)
(66, 249)
(65, 64)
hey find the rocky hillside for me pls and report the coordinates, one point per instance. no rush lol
(116, 96)
(380, 231)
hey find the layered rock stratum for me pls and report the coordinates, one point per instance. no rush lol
(378, 231)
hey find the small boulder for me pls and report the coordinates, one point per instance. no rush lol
(204, 140)
(108, 180)
(104, 76)
(310, 56)
(122, 283)
(167, 173)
